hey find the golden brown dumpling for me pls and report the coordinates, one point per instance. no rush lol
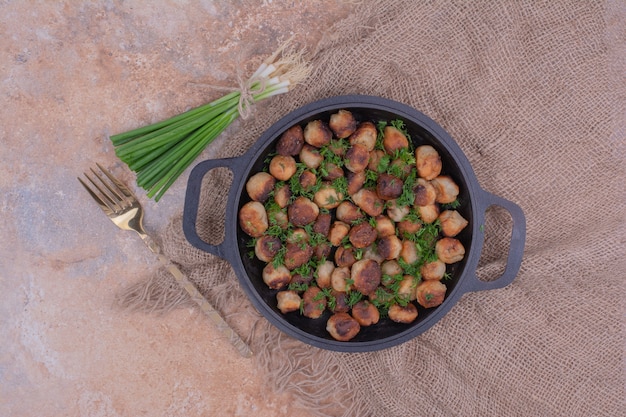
(339, 279)
(391, 268)
(307, 179)
(290, 142)
(276, 277)
(355, 181)
(344, 256)
(288, 301)
(408, 227)
(282, 167)
(310, 156)
(278, 218)
(301, 279)
(385, 226)
(322, 251)
(302, 212)
(313, 302)
(396, 212)
(253, 219)
(409, 252)
(369, 202)
(331, 172)
(324, 274)
(342, 124)
(322, 224)
(365, 135)
(328, 197)
(372, 253)
(341, 302)
(389, 187)
(338, 230)
(266, 247)
(389, 247)
(317, 133)
(403, 314)
(452, 223)
(298, 235)
(375, 157)
(282, 195)
(406, 287)
(365, 313)
(429, 213)
(297, 254)
(434, 270)
(260, 185)
(362, 235)
(424, 192)
(342, 327)
(348, 212)
(449, 250)
(446, 188)
(394, 140)
(357, 158)
(366, 276)
(428, 162)
(430, 293)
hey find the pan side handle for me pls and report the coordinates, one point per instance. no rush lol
(192, 201)
(516, 245)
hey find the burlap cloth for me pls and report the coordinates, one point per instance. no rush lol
(534, 93)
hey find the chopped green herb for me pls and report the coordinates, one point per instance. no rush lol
(402, 300)
(370, 179)
(383, 163)
(353, 298)
(405, 155)
(341, 185)
(399, 124)
(407, 198)
(279, 258)
(451, 206)
(372, 222)
(331, 299)
(380, 127)
(298, 286)
(410, 269)
(251, 244)
(326, 293)
(305, 269)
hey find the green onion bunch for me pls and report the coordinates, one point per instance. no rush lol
(159, 153)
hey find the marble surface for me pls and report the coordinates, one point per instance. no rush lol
(71, 74)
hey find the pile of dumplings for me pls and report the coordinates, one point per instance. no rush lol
(353, 223)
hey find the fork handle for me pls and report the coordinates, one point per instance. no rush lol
(198, 298)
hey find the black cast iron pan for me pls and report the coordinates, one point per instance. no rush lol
(474, 202)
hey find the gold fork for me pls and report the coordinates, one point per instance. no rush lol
(123, 208)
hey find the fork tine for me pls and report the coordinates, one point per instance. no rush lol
(103, 205)
(113, 200)
(120, 186)
(113, 195)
